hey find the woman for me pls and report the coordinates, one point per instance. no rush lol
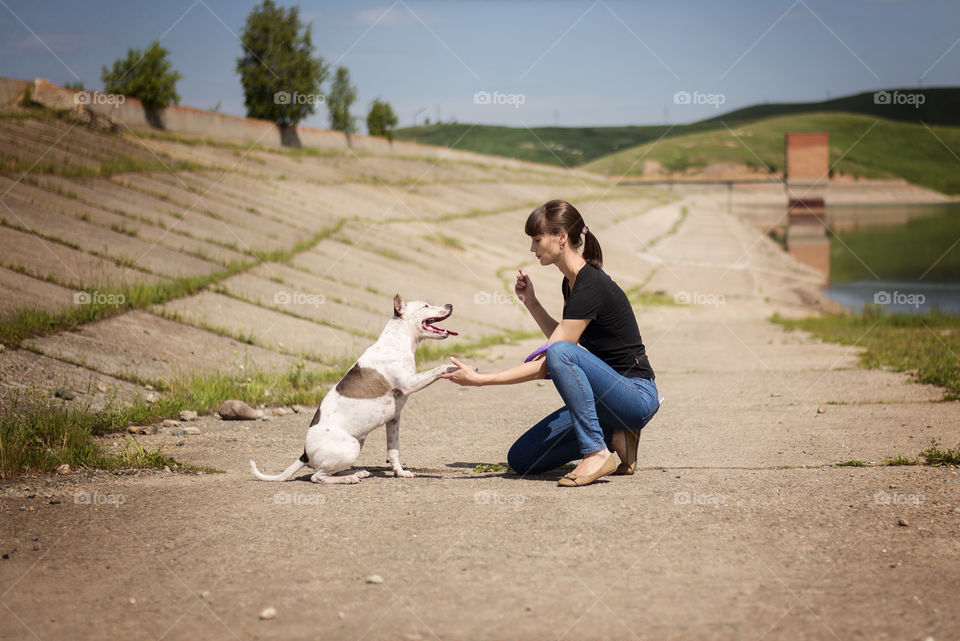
(607, 388)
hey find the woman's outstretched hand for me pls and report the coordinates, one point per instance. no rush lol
(524, 287)
(463, 375)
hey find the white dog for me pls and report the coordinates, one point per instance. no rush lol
(371, 394)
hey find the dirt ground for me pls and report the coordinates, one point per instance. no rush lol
(738, 524)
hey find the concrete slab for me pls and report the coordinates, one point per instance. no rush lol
(144, 347)
(270, 329)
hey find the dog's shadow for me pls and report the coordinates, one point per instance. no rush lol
(383, 471)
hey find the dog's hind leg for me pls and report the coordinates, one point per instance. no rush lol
(393, 449)
(344, 477)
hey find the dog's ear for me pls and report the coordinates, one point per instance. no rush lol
(397, 306)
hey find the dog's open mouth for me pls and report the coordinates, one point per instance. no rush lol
(428, 326)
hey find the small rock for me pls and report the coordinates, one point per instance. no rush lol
(180, 442)
(268, 613)
(34, 538)
(169, 422)
(152, 397)
(133, 429)
(191, 431)
(260, 413)
(148, 387)
(188, 415)
(279, 411)
(63, 469)
(374, 578)
(266, 418)
(133, 601)
(147, 429)
(54, 501)
(341, 614)
(237, 411)
(64, 393)
(821, 410)
(205, 594)
(903, 523)
(36, 547)
(298, 409)
(176, 432)
(101, 388)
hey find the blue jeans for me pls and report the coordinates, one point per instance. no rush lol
(598, 401)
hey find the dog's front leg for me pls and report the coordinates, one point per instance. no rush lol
(393, 449)
(422, 379)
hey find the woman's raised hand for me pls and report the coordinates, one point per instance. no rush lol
(464, 375)
(524, 287)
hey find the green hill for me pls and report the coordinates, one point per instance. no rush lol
(585, 146)
(860, 145)
(567, 146)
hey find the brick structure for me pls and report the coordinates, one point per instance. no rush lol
(807, 170)
(808, 157)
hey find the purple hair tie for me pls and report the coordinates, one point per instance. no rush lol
(585, 230)
(537, 352)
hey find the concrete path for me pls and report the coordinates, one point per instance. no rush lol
(737, 526)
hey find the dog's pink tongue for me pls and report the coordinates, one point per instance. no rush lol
(441, 330)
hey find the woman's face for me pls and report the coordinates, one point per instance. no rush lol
(546, 247)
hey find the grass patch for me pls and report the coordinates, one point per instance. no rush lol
(483, 468)
(444, 241)
(933, 455)
(37, 433)
(927, 346)
(853, 463)
(901, 460)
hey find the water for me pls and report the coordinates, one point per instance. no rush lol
(905, 258)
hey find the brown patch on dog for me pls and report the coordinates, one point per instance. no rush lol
(397, 306)
(363, 382)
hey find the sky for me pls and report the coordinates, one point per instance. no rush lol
(522, 63)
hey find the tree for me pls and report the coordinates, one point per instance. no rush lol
(381, 120)
(341, 96)
(147, 75)
(281, 77)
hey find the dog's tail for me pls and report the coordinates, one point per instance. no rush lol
(286, 474)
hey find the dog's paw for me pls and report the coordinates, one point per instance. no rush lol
(361, 474)
(450, 369)
(405, 474)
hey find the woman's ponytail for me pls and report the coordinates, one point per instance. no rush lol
(591, 249)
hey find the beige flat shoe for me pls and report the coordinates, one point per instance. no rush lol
(572, 480)
(629, 464)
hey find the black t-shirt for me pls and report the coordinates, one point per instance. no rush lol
(612, 334)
